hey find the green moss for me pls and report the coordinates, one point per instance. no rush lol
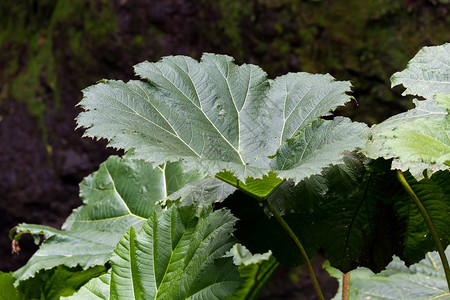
(30, 29)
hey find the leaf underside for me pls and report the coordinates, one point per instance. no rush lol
(215, 116)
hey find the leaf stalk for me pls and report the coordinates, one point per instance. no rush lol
(429, 223)
(346, 286)
(285, 226)
(299, 245)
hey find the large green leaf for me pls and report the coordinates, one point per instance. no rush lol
(216, 116)
(358, 211)
(424, 280)
(427, 74)
(176, 255)
(419, 139)
(122, 193)
(349, 208)
(357, 225)
(368, 223)
(434, 194)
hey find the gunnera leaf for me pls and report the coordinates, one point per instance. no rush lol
(424, 280)
(349, 208)
(357, 226)
(217, 116)
(418, 140)
(121, 194)
(434, 194)
(178, 254)
(358, 211)
(372, 218)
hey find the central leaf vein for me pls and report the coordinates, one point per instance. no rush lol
(202, 112)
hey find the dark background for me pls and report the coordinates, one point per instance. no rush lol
(50, 50)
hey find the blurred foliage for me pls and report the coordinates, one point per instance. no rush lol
(50, 47)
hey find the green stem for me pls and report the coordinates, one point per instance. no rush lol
(430, 224)
(299, 245)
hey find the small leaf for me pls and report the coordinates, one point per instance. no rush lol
(255, 269)
(241, 256)
(259, 188)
